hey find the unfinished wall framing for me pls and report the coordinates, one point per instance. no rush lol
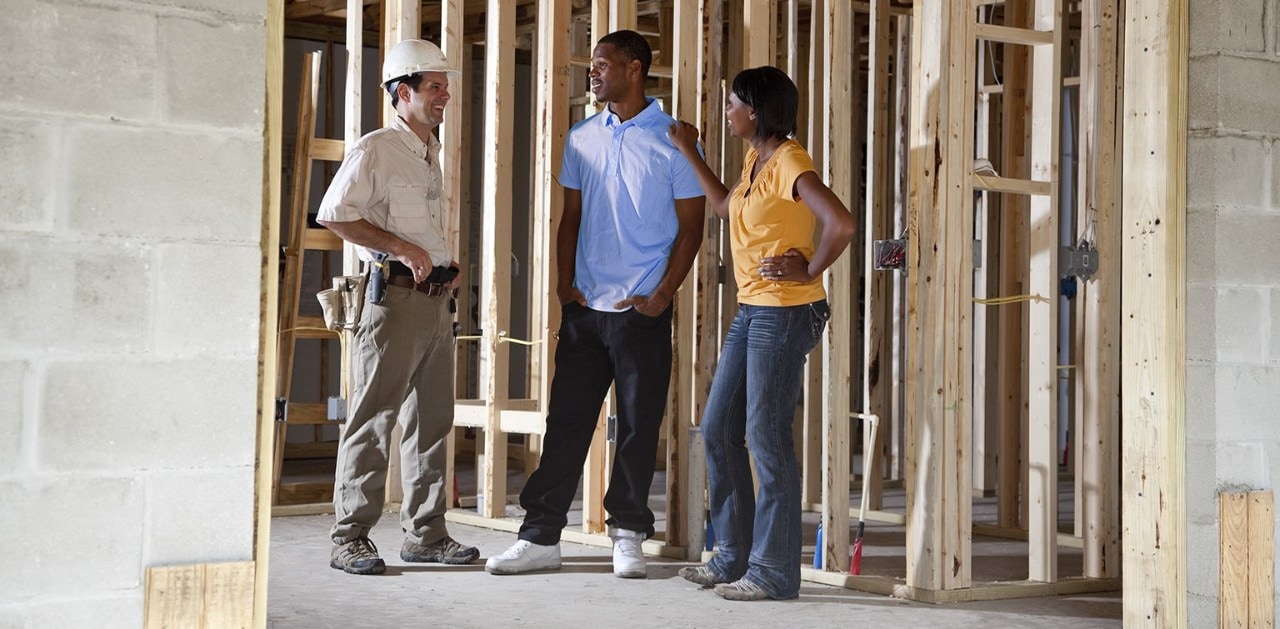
(958, 354)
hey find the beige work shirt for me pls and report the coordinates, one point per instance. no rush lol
(392, 179)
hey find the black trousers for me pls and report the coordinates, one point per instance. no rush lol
(596, 349)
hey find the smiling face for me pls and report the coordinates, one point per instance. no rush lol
(610, 73)
(740, 118)
(425, 106)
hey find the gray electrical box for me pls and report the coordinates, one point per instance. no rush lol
(1080, 261)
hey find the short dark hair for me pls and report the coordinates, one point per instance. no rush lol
(632, 45)
(413, 81)
(773, 96)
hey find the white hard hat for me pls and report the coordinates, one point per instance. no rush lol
(412, 56)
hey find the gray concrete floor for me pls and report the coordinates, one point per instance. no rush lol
(305, 592)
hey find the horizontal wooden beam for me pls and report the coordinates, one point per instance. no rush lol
(327, 149)
(1010, 185)
(1012, 35)
(320, 239)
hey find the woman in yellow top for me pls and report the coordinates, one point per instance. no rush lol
(773, 212)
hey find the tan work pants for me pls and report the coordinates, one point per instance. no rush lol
(403, 366)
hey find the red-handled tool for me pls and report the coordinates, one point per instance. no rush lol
(873, 422)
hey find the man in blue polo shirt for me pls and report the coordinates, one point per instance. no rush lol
(631, 227)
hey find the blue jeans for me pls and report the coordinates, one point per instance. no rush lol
(751, 405)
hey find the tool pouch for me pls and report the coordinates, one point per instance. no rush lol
(342, 303)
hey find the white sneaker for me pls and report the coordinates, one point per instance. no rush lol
(628, 555)
(524, 556)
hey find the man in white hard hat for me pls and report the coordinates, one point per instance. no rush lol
(387, 200)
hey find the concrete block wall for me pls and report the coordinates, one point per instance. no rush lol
(130, 225)
(1233, 272)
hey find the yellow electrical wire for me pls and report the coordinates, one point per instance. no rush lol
(1012, 299)
(502, 338)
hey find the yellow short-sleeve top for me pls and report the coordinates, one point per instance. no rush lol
(765, 219)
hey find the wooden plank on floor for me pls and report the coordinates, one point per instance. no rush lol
(1261, 544)
(199, 595)
(1233, 559)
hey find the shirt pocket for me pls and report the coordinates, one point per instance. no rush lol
(408, 211)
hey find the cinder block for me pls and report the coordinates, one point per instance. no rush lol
(1202, 609)
(80, 537)
(228, 10)
(1273, 315)
(118, 610)
(1241, 466)
(1201, 315)
(28, 157)
(75, 297)
(1202, 553)
(1248, 401)
(130, 415)
(1274, 156)
(1203, 107)
(13, 376)
(1236, 26)
(165, 184)
(228, 93)
(217, 525)
(1242, 327)
(78, 58)
(1226, 171)
(1202, 242)
(1201, 419)
(207, 300)
(1241, 103)
(1246, 242)
(1201, 485)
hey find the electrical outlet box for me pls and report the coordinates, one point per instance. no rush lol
(1080, 261)
(611, 428)
(282, 410)
(337, 410)
(890, 255)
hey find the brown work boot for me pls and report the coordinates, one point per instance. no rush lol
(444, 550)
(359, 556)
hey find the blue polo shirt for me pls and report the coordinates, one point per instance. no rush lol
(630, 175)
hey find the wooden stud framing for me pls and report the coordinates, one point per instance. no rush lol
(813, 399)
(451, 134)
(686, 476)
(496, 244)
(268, 305)
(939, 294)
(876, 287)
(838, 168)
(1011, 319)
(1042, 336)
(1098, 384)
(1153, 313)
(930, 358)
